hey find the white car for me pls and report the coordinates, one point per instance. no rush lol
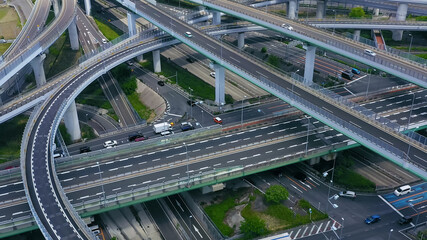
(188, 34)
(212, 74)
(348, 194)
(110, 143)
(370, 52)
(286, 26)
(164, 133)
(104, 40)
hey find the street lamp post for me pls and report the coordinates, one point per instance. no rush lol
(186, 156)
(202, 116)
(389, 234)
(335, 13)
(191, 102)
(410, 44)
(241, 121)
(331, 182)
(410, 112)
(342, 227)
(369, 82)
(102, 183)
(308, 130)
(418, 215)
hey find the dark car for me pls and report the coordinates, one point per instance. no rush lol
(135, 136)
(161, 83)
(85, 149)
(190, 60)
(300, 176)
(405, 220)
(347, 75)
(372, 219)
(185, 126)
(191, 102)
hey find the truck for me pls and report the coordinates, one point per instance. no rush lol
(161, 127)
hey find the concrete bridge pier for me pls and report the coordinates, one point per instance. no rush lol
(356, 35)
(216, 18)
(241, 40)
(72, 122)
(314, 160)
(321, 9)
(37, 65)
(88, 7)
(55, 5)
(292, 9)
(329, 157)
(131, 23)
(156, 61)
(310, 56)
(402, 10)
(376, 11)
(219, 84)
(72, 32)
(140, 58)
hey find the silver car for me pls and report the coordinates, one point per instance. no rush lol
(348, 194)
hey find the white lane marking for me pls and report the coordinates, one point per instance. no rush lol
(209, 147)
(320, 226)
(116, 189)
(269, 152)
(218, 164)
(235, 59)
(160, 178)
(386, 141)
(83, 176)
(243, 158)
(257, 136)
(155, 160)
(130, 165)
(327, 110)
(354, 124)
(176, 174)
(146, 182)
(196, 150)
(326, 226)
(256, 155)
(141, 163)
(230, 161)
(296, 188)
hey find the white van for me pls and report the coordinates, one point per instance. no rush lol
(402, 190)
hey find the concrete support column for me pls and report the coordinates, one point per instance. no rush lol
(131, 23)
(356, 35)
(219, 84)
(55, 5)
(310, 56)
(292, 9)
(140, 58)
(156, 61)
(376, 11)
(72, 122)
(37, 65)
(216, 18)
(241, 40)
(402, 10)
(88, 7)
(321, 9)
(72, 32)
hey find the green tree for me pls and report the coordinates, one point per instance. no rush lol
(273, 60)
(276, 193)
(264, 50)
(253, 227)
(357, 12)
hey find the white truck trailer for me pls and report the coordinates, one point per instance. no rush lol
(161, 127)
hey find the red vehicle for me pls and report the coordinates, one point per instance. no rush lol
(140, 139)
(217, 120)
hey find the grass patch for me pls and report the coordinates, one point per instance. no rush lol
(422, 55)
(65, 135)
(143, 111)
(61, 56)
(4, 47)
(3, 12)
(352, 180)
(186, 80)
(87, 132)
(108, 29)
(94, 96)
(50, 17)
(217, 213)
(10, 142)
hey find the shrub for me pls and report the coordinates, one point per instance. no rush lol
(253, 227)
(274, 60)
(304, 204)
(264, 50)
(357, 12)
(276, 193)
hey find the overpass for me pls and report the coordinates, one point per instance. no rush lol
(16, 58)
(70, 170)
(38, 165)
(366, 24)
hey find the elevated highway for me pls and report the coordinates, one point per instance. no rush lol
(27, 49)
(390, 63)
(83, 186)
(367, 24)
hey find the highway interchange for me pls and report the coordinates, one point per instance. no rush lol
(297, 145)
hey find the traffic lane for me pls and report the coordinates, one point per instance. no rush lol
(393, 102)
(14, 211)
(200, 148)
(419, 115)
(185, 217)
(256, 70)
(248, 158)
(165, 225)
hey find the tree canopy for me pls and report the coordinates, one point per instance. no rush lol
(253, 227)
(276, 193)
(357, 12)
